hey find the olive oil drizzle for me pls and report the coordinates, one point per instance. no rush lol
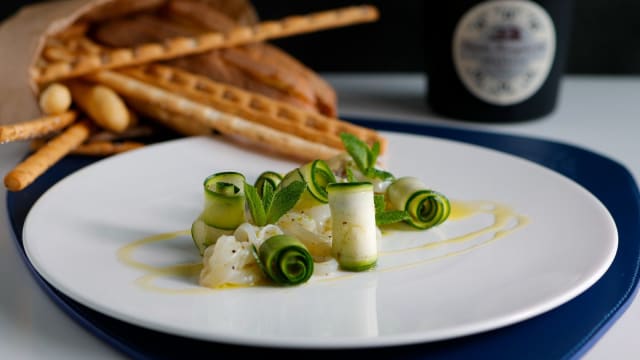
(505, 222)
(126, 255)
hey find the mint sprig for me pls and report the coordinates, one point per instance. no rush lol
(268, 191)
(284, 199)
(364, 157)
(384, 216)
(256, 205)
(274, 203)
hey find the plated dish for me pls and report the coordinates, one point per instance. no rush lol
(460, 288)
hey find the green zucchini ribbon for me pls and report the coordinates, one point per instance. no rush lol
(225, 201)
(426, 208)
(317, 175)
(285, 260)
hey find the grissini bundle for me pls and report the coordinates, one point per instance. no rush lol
(176, 96)
(183, 46)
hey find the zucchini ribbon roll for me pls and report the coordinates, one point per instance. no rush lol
(224, 209)
(354, 231)
(426, 208)
(317, 175)
(224, 200)
(267, 181)
(285, 260)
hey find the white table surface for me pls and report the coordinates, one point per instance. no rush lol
(598, 113)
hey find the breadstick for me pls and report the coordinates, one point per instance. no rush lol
(177, 122)
(40, 161)
(69, 49)
(55, 99)
(83, 45)
(57, 53)
(74, 30)
(182, 46)
(131, 133)
(36, 128)
(254, 107)
(279, 142)
(106, 148)
(95, 148)
(102, 104)
(113, 9)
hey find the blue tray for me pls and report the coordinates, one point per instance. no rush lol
(564, 332)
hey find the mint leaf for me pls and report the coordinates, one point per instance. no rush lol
(364, 157)
(358, 150)
(379, 203)
(385, 217)
(284, 199)
(255, 205)
(390, 217)
(351, 177)
(267, 194)
(373, 155)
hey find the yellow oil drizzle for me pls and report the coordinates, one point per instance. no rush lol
(506, 221)
(459, 210)
(187, 271)
(152, 273)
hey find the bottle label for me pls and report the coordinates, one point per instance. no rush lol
(503, 50)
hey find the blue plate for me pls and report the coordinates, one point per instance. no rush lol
(564, 332)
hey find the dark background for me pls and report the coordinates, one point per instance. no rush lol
(604, 38)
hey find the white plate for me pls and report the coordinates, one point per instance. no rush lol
(75, 231)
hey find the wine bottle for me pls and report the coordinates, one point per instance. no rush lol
(496, 60)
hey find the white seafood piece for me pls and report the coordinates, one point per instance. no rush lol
(315, 237)
(256, 235)
(229, 263)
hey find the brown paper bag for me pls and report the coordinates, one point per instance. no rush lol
(22, 37)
